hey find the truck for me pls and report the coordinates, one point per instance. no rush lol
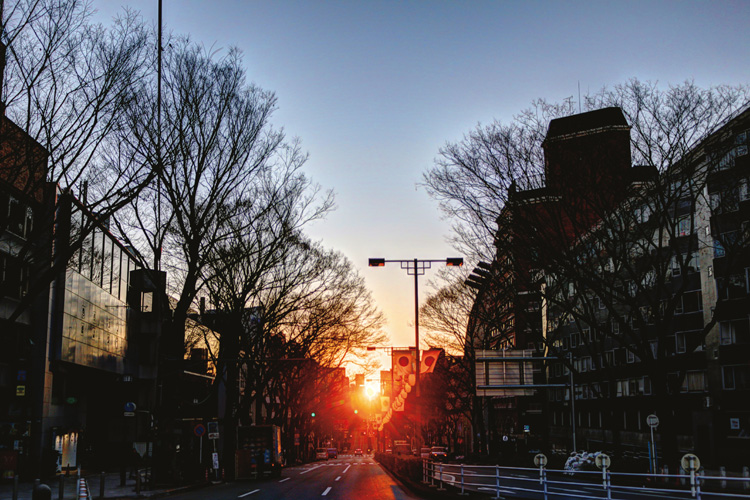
(258, 451)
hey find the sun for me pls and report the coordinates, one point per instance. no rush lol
(371, 389)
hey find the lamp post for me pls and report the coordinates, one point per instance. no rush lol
(416, 268)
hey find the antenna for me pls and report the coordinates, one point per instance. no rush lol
(579, 96)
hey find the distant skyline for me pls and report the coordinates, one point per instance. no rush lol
(375, 89)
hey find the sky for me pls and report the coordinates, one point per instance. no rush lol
(374, 89)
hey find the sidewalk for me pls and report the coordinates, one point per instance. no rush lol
(112, 488)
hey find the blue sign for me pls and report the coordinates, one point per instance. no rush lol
(267, 456)
(199, 430)
(129, 407)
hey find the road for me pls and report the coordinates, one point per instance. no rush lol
(347, 477)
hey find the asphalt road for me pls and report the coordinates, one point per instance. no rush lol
(345, 478)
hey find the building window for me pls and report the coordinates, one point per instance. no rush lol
(735, 377)
(727, 334)
(680, 342)
(695, 381)
(684, 224)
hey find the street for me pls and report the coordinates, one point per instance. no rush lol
(344, 478)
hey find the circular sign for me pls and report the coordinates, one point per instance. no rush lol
(404, 361)
(652, 420)
(199, 430)
(540, 459)
(129, 406)
(690, 462)
(602, 461)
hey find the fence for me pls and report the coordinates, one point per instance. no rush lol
(603, 484)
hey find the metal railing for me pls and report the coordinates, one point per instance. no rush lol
(595, 485)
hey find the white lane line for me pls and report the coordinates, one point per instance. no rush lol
(347, 468)
(248, 493)
(326, 491)
(310, 469)
(337, 478)
(285, 479)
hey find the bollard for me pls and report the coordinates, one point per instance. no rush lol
(15, 486)
(61, 489)
(723, 474)
(41, 492)
(102, 480)
(746, 476)
(83, 490)
(138, 483)
(497, 483)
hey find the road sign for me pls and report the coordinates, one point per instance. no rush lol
(215, 460)
(129, 409)
(540, 460)
(213, 430)
(602, 461)
(690, 462)
(652, 421)
(199, 430)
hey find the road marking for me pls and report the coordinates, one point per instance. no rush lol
(337, 478)
(248, 493)
(326, 491)
(285, 479)
(347, 468)
(310, 469)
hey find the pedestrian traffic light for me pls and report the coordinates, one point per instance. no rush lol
(377, 262)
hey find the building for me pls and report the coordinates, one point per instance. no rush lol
(641, 294)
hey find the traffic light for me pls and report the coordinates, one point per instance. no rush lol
(312, 414)
(377, 262)
(356, 411)
(454, 261)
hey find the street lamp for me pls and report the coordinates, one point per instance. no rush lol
(416, 268)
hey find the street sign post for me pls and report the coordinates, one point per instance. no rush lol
(653, 422)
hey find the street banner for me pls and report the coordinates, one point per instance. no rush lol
(385, 403)
(403, 365)
(429, 360)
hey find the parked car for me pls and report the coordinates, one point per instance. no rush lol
(333, 453)
(358, 452)
(321, 454)
(425, 453)
(438, 453)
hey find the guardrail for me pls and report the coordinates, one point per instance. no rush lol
(595, 485)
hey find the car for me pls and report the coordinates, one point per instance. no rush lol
(425, 453)
(321, 454)
(358, 452)
(388, 450)
(438, 453)
(333, 453)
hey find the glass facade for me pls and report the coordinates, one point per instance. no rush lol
(95, 306)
